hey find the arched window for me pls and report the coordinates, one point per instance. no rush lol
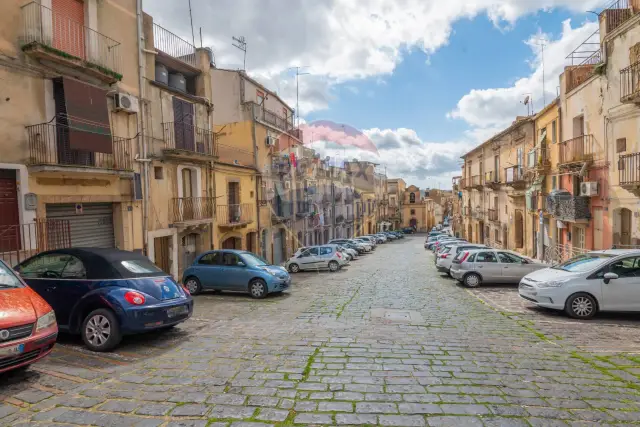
(412, 197)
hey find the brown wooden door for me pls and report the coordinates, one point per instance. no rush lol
(161, 253)
(183, 125)
(9, 214)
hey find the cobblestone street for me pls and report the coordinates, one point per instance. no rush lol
(387, 341)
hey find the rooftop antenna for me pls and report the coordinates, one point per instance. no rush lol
(193, 36)
(241, 43)
(298, 74)
(542, 43)
(528, 100)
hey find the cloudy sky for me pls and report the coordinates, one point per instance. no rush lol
(424, 80)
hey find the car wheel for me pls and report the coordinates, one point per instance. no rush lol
(101, 330)
(472, 280)
(581, 306)
(258, 289)
(334, 266)
(193, 285)
(294, 268)
(449, 273)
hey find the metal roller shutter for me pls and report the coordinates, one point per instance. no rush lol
(92, 228)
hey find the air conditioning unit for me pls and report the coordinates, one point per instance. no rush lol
(127, 103)
(270, 141)
(589, 189)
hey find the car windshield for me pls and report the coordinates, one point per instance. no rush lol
(583, 263)
(8, 279)
(253, 260)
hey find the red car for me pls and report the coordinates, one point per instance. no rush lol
(28, 328)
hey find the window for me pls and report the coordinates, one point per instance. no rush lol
(554, 133)
(325, 250)
(212, 258)
(471, 258)
(412, 197)
(139, 266)
(8, 279)
(413, 211)
(583, 263)
(253, 260)
(628, 267)
(554, 182)
(259, 97)
(74, 270)
(508, 258)
(230, 259)
(621, 145)
(486, 257)
(158, 172)
(45, 267)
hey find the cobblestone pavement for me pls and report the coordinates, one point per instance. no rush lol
(387, 341)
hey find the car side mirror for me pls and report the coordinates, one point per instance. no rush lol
(610, 276)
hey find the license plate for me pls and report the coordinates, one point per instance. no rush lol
(12, 351)
(177, 311)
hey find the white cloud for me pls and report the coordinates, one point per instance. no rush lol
(490, 110)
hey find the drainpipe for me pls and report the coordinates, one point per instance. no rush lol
(142, 144)
(257, 187)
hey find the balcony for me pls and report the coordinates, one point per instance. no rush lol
(174, 51)
(630, 84)
(273, 119)
(618, 12)
(493, 215)
(478, 214)
(191, 210)
(337, 196)
(514, 177)
(566, 207)
(49, 149)
(54, 37)
(303, 209)
(232, 216)
(187, 142)
(282, 212)
(279, 166)
(536, 202)
(577, 150)
(492, 180)
(477, 181)
(585, 60)
(629, 171)
(339, 219)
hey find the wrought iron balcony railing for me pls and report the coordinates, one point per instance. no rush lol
(579, 149)
(175, 46)
(232, 215)
(186, 209)
(569, 208)
(189, 138)
(618, 12)
(514, 174)
(60, 35)
(630, 83)
(49, 145)
(477, 180)
(629, 169)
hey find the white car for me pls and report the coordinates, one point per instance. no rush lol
(445, 257)
(606, 280)
(352, 253)
(317, 258)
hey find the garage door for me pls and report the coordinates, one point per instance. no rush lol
(91, 226)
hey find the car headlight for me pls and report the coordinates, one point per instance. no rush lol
(46, 321)
(268, 270)
(552, 284)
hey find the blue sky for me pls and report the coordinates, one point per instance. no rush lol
(424, 80)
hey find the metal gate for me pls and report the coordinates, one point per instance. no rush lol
(277, 248)
(91, 223)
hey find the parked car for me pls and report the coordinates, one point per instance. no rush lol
(383, 236)
(408, 230)
(398, 234)
(349, 253)
(436, 246)
(606, 280)
(445, 258)
(317, 258)
(373, 242)
(103, 294)
(236, 271)
(347, 243)
(28, 328)
(362, 244)
(491, 266)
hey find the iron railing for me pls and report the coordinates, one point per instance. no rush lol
(274, 119)
(630, 82)
(62, 36)
(561, 253)
(514, 174)
(282, 209)
(185, 209)
(491, 177)
(588, 52)
(493, 215)
(21, 241)
(629, 169)
(618, 12)
(229, 215)
(173, 45)
(569, 208)
(186, 137)
(337, 196)
(49, 145)
(579, 149)
(303, 208)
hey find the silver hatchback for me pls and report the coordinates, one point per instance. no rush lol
(317, 258)
(475, 267)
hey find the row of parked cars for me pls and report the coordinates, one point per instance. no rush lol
(606, 280)
(337, 253)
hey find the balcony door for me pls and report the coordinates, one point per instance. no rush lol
(67, 22)
(233, 199)
(184, 137)
(187, 194)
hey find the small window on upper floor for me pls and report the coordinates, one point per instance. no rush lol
(158, 172)
(621, 145)
(554, 132)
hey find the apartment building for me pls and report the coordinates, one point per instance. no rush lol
(417, 211)
(395, 191)
(68, 143)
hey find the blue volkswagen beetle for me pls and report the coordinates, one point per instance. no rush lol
(103, 294)
(233, 270)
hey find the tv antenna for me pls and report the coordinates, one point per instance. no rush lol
(542, 43)
(298, 74)
(241, 43)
